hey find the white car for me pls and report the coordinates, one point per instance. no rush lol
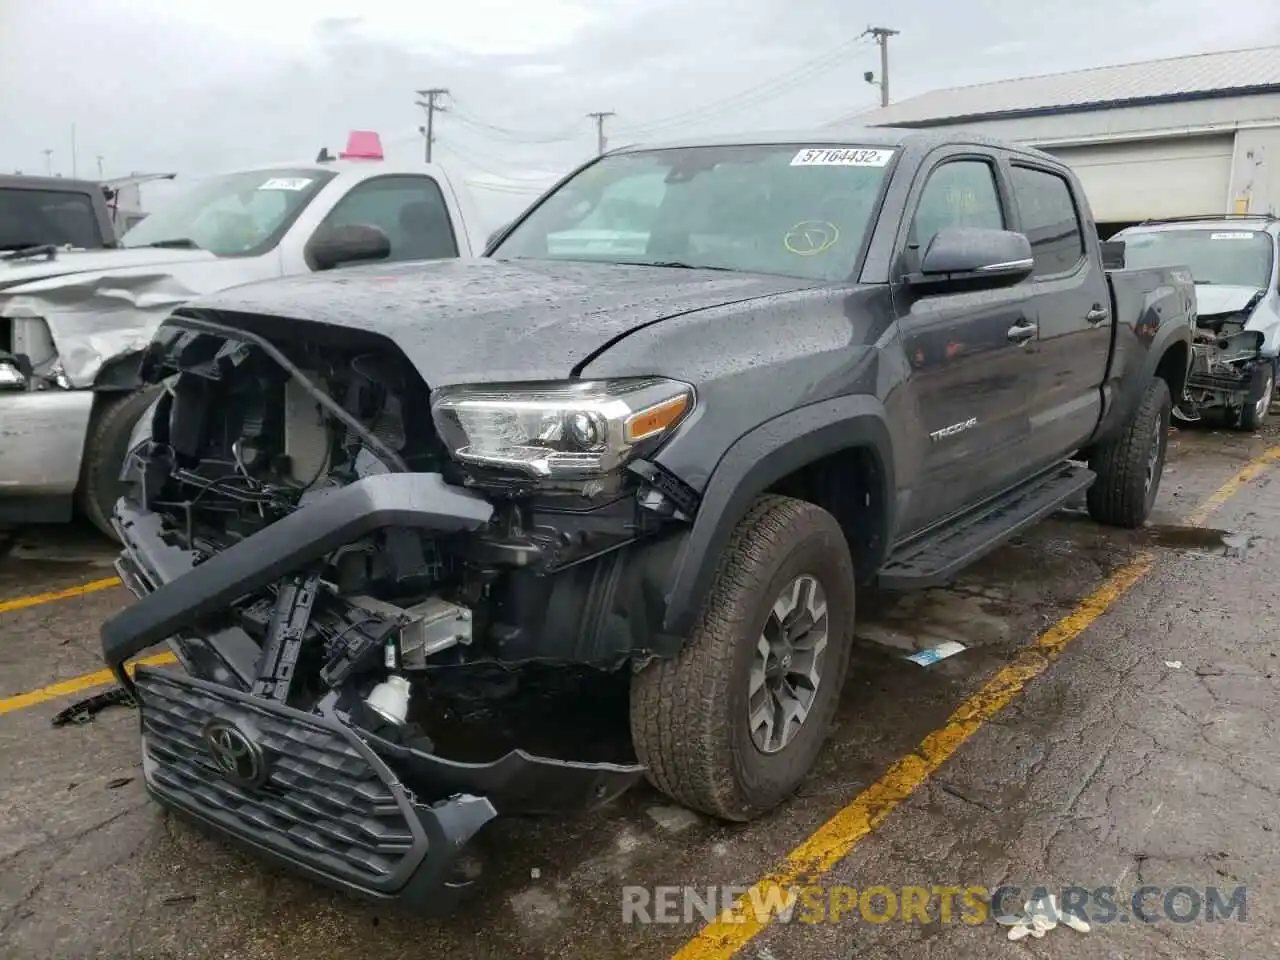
(73, 325)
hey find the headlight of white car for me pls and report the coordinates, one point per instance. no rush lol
(570, 430)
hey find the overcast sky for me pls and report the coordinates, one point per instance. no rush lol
(199, 86)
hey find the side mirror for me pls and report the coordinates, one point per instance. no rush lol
(973, 258)
(352, 243)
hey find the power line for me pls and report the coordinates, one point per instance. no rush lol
(748, 97)
(430, 105)
(566, 135)
(483, 166)
(756, 94)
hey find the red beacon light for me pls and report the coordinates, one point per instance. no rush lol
(362, 145)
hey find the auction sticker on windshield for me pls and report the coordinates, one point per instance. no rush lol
(286, 183)
(1232, 236)
(841, 157)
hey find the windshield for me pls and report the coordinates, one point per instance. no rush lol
(29, 218)
(235, 215)
(1237, 258)
(787, 210)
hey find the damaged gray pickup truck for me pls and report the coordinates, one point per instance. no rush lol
(656, 437)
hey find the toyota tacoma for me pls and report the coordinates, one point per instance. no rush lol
(684, 407)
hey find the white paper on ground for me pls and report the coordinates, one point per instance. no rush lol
(934, 654)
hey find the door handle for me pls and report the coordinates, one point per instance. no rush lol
(1097, 314)
(1023, 331)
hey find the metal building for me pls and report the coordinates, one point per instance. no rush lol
(1165, 138)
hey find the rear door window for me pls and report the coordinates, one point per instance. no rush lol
(30, 218)
(1049, 219)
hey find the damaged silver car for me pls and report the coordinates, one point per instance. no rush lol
(1237, 343)
(74, 323)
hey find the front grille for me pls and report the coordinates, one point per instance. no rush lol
(326, 802)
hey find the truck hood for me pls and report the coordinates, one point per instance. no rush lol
(15, 273)
(483, 320)
(100, 305)
(1212, 299)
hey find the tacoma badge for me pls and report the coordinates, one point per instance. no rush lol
(954, 429)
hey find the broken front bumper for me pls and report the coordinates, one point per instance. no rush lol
(333, 801)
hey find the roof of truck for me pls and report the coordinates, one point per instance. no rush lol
(1242, 221)
(22, 181)
(860, 136)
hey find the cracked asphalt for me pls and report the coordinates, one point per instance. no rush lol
(1145, 756)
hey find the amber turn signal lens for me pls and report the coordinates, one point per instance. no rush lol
(647, 423)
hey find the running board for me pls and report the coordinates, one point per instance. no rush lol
(935, 558)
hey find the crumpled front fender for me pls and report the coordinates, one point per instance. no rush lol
(100, 318)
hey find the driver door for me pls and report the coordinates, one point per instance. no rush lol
(971, 360)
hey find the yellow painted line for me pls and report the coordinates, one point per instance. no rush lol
(835, 839)
(1233, 486)
(76, 684)
(35, 600)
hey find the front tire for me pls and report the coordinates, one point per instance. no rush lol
(104, 451)
(1257, 403)
(716, 725)
(1129, 466)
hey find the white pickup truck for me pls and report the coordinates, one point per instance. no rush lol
(73, 325)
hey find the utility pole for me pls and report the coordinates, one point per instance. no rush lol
(99, 158)
(48, 161)
(599, 117)
(73, 151)
(882, 35)
(430, 105)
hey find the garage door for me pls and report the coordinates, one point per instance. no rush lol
(1153, 178)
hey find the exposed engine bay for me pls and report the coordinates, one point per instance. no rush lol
(1225, 356)
(306, 542)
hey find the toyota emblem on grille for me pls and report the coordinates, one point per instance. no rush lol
(236, 754)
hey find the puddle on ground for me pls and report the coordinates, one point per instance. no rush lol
(919, 620)
(1221, 543)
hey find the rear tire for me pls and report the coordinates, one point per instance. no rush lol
(104, 451)
(1129, 465)
(1257, 403)
(706, 723)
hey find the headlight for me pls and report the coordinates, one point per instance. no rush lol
(575, 429)
(11, 376)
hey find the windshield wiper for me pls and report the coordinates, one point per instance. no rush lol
(673, 264)
(46, 250)
(177, 243)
